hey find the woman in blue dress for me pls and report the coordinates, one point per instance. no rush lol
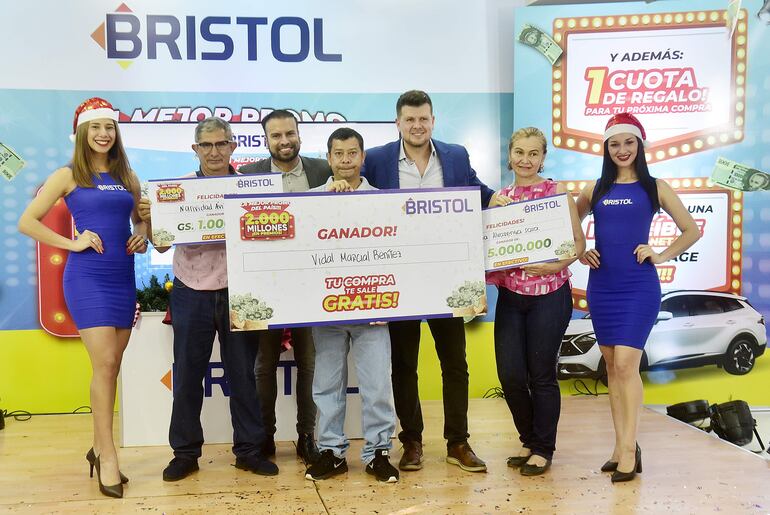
(623, 288)
(101, 193)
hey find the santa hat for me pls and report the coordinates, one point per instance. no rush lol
(624, 122)
(92, 109)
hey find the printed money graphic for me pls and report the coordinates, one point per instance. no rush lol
(540, 41)
(10, 162)
(739, 177)
(733, 7)
(764, 12)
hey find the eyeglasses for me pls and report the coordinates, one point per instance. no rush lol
(206, 146)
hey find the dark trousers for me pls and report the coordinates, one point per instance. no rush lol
(265, 368)
(449, 335)
(196, 317)
(528, 333)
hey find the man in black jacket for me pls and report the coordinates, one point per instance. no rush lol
(299, 174)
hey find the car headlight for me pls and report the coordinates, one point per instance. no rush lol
(585, 342)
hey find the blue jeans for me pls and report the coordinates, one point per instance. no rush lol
(528, 333)
(196, 317)
(371, 352)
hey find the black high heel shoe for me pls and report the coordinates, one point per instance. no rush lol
(108, 490)
(620, 477)
(612, 466)
(609, 466)
(91, 458)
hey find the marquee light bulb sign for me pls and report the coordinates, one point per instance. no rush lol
(713, 263)
(679, 73)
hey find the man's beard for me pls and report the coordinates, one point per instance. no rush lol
(411, 140)
(277, 156)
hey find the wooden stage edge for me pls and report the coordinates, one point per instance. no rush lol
(43, 470)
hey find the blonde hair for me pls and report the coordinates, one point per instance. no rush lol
(526, 132)
(84, 170)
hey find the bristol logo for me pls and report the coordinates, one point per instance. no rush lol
(290, 39)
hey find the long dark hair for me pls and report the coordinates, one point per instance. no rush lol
(610, 175)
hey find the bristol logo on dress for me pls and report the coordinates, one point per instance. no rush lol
(617, 202)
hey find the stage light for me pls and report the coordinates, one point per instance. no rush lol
(732, 421)
(689, 412)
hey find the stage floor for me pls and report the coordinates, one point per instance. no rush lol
(43, 470)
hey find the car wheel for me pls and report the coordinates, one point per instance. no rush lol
(644, 363)
(601, 372)
(739, 358)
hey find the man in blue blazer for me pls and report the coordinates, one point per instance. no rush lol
(418, 161)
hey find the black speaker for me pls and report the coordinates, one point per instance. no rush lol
(732, 421)
(689, 412)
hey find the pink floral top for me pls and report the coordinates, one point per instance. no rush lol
(514, 278)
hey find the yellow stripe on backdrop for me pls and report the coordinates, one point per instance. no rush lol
(661, 387)
(41, 373)
(708, 382)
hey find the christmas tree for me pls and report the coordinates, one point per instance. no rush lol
(155, 296)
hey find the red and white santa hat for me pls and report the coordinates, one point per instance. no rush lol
(624, 122)
(92, 109)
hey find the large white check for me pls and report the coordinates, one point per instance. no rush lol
(190, 209)
(323, 258)
(527, 232)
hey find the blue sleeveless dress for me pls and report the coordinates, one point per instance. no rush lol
(623, 295)
(100, 289)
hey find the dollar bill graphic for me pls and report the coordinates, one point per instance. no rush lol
(739, 177)
(733, 8)
(540, 41)
(10, 162)
(764, 12)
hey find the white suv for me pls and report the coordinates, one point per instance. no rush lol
(694, 328)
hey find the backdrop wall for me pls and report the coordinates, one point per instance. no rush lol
(165, 65)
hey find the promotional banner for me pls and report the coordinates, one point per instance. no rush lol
(528, 232)
(679, 73)
(191, 209)
(162, 86)
(324, 258)
(147, 382)
(164, 131)
(712, 263)
(696, 78)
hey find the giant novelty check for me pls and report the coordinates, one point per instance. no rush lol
(324, 258)
(191, 209)
(528, 232)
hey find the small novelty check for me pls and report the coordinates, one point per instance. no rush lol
(191, 209)
(298, 259)
(527, 232)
